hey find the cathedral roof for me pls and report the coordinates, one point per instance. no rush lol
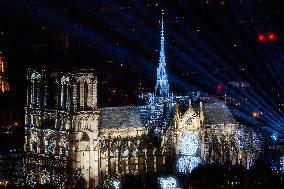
(123, 117)
(218, 113)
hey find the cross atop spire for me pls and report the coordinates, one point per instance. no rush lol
(162, 84)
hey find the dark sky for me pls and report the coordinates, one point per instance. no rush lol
(208, 42)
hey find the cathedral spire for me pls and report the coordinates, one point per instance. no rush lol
(162, 84)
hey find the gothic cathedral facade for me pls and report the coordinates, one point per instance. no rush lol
(67, 134)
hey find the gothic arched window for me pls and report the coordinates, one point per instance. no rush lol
(64, 96)
(78, 99)
(35, 87)
(85, 95)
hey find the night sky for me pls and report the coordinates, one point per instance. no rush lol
(209, 44)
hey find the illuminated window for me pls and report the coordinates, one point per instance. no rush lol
(85, 95)
(1, 66)
(188, 152)
(4, 85)
(35, 75)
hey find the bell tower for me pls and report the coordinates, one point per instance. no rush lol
(85, 144)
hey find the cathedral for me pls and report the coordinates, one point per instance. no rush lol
(67, 134)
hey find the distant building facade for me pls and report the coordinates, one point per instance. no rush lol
(4, 84)
(8, 112)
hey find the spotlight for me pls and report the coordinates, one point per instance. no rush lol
(261, 38)
(255, 115)
(219, 87)
(271, 37)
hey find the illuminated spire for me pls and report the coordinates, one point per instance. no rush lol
(162, 84)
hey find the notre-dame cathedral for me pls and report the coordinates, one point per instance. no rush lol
(66, 133)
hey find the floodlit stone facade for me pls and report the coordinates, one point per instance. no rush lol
(65, 131)
(67, 135)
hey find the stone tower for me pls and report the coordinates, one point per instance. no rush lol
(85, 137)
(46, 145)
